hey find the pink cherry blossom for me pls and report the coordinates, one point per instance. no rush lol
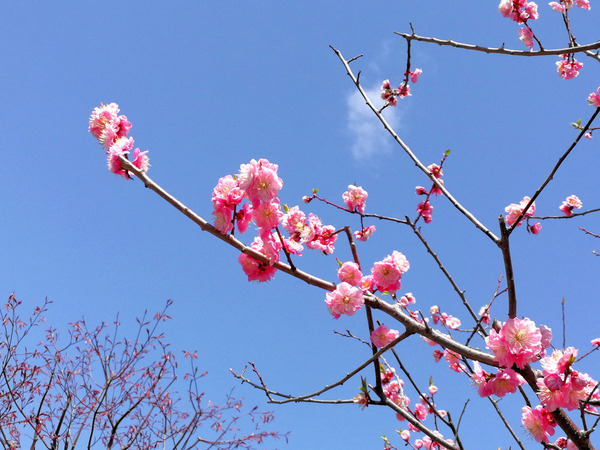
(526, 36)
(535, 228)
(345, 299)
(568, 67)
(594, 98)
(425, 210)
(141, 160)
(257, 270)
(518, 10)
(260, 181)
(106, 126)
(454, 360)
(350, 273)
(406, 299)
(405, 435)
(420, 190)
(355, 198)
(227, 193)
(243, 217)
(361, 399)
(518, 342)
(120, 147)
(433, 389)
(584, 4)
(267, 215)
(596, 342)
(484, 313)
(223, 220)
(538, 422)
(365, 233)
(572, 202)
(514, 211)
(414, 75)
(557, 7)
(382, 336)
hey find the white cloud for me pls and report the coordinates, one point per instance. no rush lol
(369, 137)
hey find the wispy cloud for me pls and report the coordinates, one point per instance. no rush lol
(369, 137)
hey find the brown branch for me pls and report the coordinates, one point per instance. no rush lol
(554, 170)
(566, 217)
(510, 278)
(501, 50)
(229, 239)
(411, 155)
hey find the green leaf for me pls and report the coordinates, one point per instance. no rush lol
(285, 208)
(447, 152)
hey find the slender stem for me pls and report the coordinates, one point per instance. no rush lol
(510, 277)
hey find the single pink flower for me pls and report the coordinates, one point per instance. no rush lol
(594, 98)
(535, 228)
(557, 7)
(414, 75)
(514, 211)
(350, 273)
(120, 147)
(583, 4)
(526, 36)
(596, 342)
(141, 160)
(345, 299)
(572, 202)
(538, 422)
(382, 336)
(365, 233)
(355, 198)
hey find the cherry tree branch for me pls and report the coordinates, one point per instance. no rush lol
(554, 170)
(566, 217)
(502, 50)
(410, 153)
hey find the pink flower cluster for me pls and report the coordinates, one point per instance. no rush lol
(259, 183)
(518, 10)
(594, 98)
(111, 131)
(504, 382)
(514, 210)
(391, 95)
(309, 231)
(563, 5)
(561, 385)
(518, 342)
(388, 272)
(568, 67)
(445, 319)
(382, 336)
(572, 202)
(424, 208)
(538, 422)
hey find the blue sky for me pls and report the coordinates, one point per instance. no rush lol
(209, 86)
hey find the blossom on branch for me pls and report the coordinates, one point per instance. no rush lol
(572, 202)
(568, 67)
(594, 98)
(515, 210)
(382, 336)
(355, 198)
(345, 299)
(538, 422)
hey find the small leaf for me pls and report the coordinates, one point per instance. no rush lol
(447, 152)
(285, 208)
(315, 190)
